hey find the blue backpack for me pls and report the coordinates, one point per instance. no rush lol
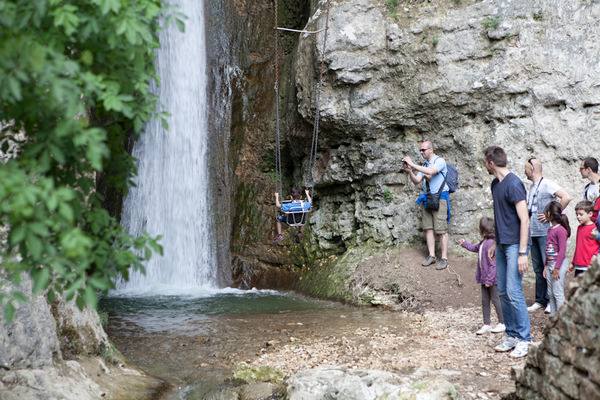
(451, 178)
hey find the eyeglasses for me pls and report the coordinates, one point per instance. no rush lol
(423, 150)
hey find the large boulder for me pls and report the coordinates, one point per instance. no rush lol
(520, 74)
(566, 365)
(330, 383)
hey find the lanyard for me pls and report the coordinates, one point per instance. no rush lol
(533, 199)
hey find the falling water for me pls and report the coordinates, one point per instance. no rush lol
(171, 196)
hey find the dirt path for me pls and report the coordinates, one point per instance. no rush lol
(440, 337)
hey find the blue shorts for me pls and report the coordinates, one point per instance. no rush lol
(282, 218)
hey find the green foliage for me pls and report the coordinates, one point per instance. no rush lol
(392, 6)
(434, 41)
(248, 220)
(490, 23)
(388, 196)
(75, 77)
(538, 16)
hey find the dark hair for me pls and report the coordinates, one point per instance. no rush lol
(554, 211)
(496, 155)
(486, 228)
(591, 163)
(296, 194)
(585, 205)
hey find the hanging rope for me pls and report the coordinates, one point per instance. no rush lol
(278, 175)
(319, 83)
(315, 136)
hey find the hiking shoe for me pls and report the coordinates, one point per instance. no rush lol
(498, 328)
(278, 239)
(534, 307)
(520, 349)
(509, 343)
(484, 329)
(442, 264)
(428, 261)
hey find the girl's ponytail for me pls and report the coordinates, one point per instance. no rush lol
(554, 211)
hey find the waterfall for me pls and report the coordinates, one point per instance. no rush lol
(171, 196)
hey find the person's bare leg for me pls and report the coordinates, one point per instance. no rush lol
(444, 244)
(430, 239)
(278, 228)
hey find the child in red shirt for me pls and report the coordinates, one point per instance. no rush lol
(586, 246)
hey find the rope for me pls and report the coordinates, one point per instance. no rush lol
(319, 83)
(278, 175)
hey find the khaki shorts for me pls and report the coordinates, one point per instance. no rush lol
(436, 220)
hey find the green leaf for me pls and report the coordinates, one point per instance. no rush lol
(66, 212)
(39, 229)
(34, 245)
(17, 234)
(91, 299)
(40, 277)
(20, 297)
(9, 312)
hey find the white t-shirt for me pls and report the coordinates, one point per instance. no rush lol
(539, 195)
(591, 191)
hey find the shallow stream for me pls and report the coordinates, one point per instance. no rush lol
(195, 341)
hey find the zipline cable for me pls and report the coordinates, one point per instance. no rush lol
(278, 175)
(319, 83)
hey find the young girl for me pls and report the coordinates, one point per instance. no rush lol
(486, 275)
(556, 248)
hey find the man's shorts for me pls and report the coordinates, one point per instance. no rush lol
(436, 220)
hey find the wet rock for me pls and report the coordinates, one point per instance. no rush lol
(258, 391)
(352, 384)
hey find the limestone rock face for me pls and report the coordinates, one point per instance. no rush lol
(519, 74)
(80, 331)
(341, 383)
(566, 365)
(31, 340)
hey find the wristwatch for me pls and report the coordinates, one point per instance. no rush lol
(522, 253)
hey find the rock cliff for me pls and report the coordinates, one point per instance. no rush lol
(566, 365)
(464, 74)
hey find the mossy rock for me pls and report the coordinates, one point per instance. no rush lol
(251, 374)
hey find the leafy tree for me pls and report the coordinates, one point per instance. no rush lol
(75, 81)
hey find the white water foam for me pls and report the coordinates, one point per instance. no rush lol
(171, 197)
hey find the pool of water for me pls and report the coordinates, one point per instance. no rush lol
(195, 340)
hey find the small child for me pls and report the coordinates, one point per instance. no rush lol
(296, 203)
(486, 275)
(556, 249)
(586, 245)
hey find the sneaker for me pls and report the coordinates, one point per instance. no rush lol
(498, 328)
(428, 261)
(443, 263)
(509, 343)
(534, 307)
(278, 239)
(520, 349)
(484, 329)
(547, 309)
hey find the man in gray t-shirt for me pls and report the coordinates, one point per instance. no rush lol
(541, 192)
(431, 175)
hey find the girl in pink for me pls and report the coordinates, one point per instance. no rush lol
(556, 261)
(486, 275)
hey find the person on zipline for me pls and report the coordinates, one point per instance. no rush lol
(292, 212)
